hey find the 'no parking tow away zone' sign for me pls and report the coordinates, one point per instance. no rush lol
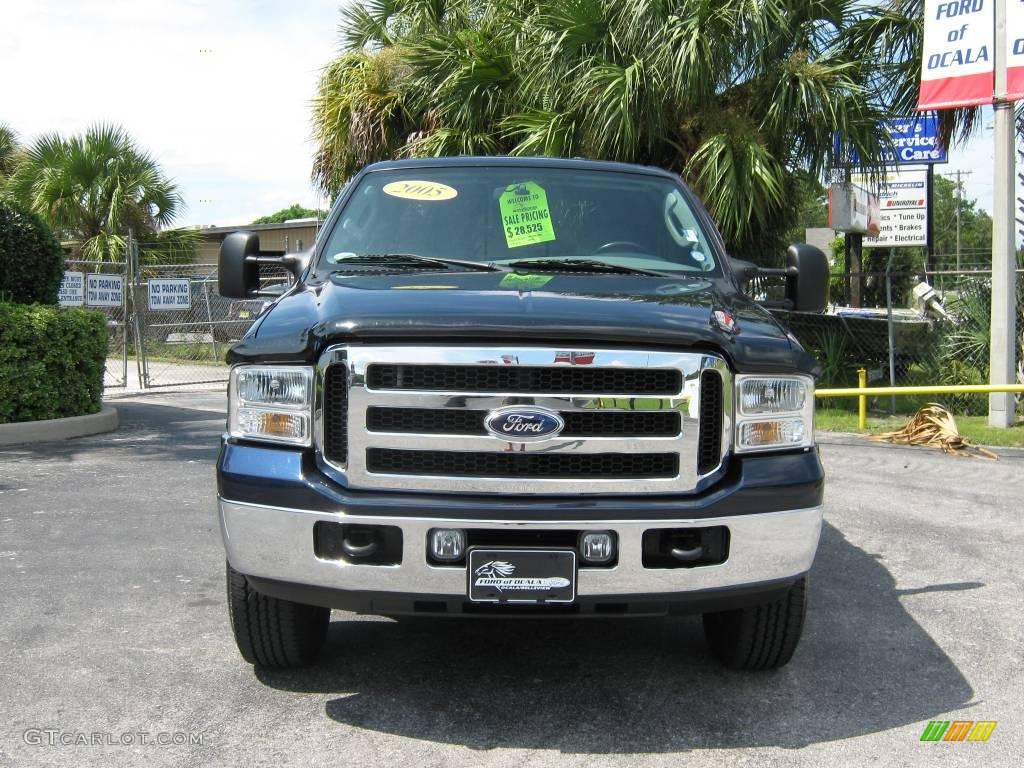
(169, 293)
(103, 290)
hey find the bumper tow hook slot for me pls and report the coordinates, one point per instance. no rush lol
(687, 555)
(359, 550)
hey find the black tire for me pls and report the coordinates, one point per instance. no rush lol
(760, 636)
(274, 633)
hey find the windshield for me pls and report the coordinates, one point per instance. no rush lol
(504, 214)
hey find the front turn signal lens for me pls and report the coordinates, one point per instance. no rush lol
(775, 434)
(292, 427)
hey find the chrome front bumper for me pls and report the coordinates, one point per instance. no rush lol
(277, 543)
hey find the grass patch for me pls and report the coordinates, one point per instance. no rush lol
(974, 428)
(193, 353)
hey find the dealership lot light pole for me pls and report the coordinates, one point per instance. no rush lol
(1002, 350)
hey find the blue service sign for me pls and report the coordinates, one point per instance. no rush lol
(914, 140)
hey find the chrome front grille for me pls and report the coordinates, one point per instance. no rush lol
(412, 418)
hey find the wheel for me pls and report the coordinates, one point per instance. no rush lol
(761, 636)
(274, 633)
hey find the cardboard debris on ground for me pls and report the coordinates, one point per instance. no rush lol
(933, 426)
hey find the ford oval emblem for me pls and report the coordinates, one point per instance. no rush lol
(523, 425)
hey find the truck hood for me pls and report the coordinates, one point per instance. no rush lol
(530, 308)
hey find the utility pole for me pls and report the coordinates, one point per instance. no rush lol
(957, 220)
(1002, 354)
(929, 226)
(959, 203)
(847, 249)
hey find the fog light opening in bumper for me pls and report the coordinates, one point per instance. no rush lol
(447, 545)
(597, 547)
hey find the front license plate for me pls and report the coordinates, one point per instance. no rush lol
(522, 575)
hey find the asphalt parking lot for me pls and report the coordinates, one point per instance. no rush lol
(114, 623)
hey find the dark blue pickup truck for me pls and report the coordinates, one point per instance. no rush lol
(506, 387)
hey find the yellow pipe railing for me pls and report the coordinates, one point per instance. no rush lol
(862, 410)
(863, 392)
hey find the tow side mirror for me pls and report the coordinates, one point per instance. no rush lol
(238, 270)
(806, 278)
(806, 274)
(744, 270)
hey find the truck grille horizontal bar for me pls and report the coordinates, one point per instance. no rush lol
(525, 379)
(526, 465)
(449, 421)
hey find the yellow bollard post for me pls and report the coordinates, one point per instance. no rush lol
(862, 382)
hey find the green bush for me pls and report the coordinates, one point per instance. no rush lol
(51, 361)
(31, 259)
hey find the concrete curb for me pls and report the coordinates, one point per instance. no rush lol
(20, 432)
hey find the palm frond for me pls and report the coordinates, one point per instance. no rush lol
(741, 96)
(95, 186)
(740, 181)
(540, 132)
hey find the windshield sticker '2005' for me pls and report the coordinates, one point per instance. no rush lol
(525, 215)
(420, 190)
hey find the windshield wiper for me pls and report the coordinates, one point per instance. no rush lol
(412, 261)
(584, 265)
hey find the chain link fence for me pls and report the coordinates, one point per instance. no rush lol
(186, 327)
(172, 328)
(939, 333)
(167, 324)
(91, 276)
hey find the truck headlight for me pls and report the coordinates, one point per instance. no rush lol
(774, 412)
(272, 403)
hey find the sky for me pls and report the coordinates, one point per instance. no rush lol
(218, 91)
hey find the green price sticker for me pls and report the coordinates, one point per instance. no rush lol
(525, 216)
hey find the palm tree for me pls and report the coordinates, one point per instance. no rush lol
(95, 187)
(9, 152)
(742, 98)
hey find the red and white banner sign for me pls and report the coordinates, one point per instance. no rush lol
(1015, 49)
(959, 49)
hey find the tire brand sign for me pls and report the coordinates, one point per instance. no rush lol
(902, 209)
